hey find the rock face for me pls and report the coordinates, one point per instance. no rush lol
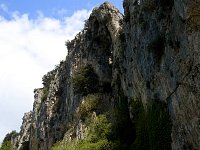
(22, 141)
(162, 61)
(53, 115)
(153, 52)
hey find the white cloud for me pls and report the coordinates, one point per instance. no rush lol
(28, 49)
(3, 7)
(60, 12)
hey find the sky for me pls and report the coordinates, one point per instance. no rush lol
(32, 42)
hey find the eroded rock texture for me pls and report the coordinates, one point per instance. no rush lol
(152, 53)
(53, 115)
(162, 61)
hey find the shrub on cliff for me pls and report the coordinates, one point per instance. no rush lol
(85, 81)
(7, 145)
(47, 78)
(159, 126)
(88, 105)
(10, 135)
(153, 126)
(122, 127)
(45, 94)
(97, 138)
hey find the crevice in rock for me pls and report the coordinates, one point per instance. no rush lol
(181, 82)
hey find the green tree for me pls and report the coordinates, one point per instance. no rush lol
(85, 81)
(9, 136)
(7, 145)
(47, 78)
(97, 137)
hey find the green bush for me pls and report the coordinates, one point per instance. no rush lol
(153, 127)
(88, 105)
(99, 130)
(47, 78)
(7, 145)
(159, 126)
(45, 94)
(122, 127)
(10, 135)
(85, 81)
(102, 144)
(98, 135)
(65, 145)
(141, 141)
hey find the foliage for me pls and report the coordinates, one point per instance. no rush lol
(10, 135)
(85, 81)
(7, 145)
(139, 120)
(153, 127)
(102, 144)
(65, 145)
(122, 127)
(96, 139)
(47, 78)
(159, 126)
(99, 128)
(89, 104)
(45, 94)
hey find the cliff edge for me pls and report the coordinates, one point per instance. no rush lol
(140, 70)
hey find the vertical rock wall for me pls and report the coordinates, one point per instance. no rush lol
(162, 61)
(152, 54)
(53, 115)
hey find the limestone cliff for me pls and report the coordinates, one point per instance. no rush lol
(149, 55)
(56, 103)
(162, 61)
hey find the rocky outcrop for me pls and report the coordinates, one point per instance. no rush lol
(152, 53)
(22, 140)
(56, 103)
(163, 53)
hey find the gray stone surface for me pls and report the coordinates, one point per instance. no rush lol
(153, 54)
(169, 72)
(53, 118)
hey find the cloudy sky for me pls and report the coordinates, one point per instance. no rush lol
(32, 37)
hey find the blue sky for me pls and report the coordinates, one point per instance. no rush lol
(50, 7)
(32, 42)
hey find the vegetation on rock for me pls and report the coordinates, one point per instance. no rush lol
(7, 145)
(45, 94)
(85, 81)
(47, 78)
(153, 126)
(97, 137)
(88, 105)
